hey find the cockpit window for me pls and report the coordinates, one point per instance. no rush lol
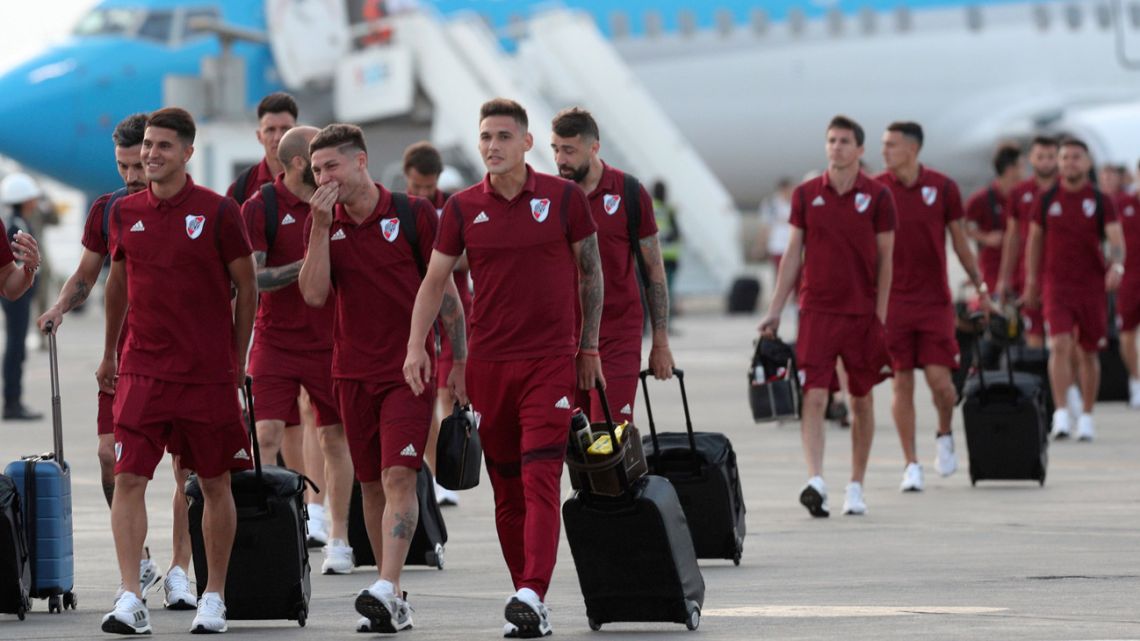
(157, 26)
(109, 22)
(195, 15)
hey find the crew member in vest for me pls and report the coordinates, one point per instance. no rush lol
(423, 166)
(842, 235)
(920, 320)
(1128, 296)
(178, 251)
(989, 210)
(669, 233)
(293, 342)
(1071, 221)
(276, 114)
(533, 252)
(128, 137)
(576, 141)
(361, 250)
(20, 198)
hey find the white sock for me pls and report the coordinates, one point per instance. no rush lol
(316, 511)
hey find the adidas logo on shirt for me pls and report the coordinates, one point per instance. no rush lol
(563, 403)
(138, 226)
(338, 235)
(408, 451)
(241, 455)
(627, 410)
(818, 202)
(481, 218)
(288, 219)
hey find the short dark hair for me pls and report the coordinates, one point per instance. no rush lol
(177, 119)
(843, 122)
(1005, 157)
(504, 107)
(424, 158)
(910, 129)
(338, 135)
(1073, 141)
(276, 103)
(129, 132)
(1044, 141)
(659, 190)
(575, 121)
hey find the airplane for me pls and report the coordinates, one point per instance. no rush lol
(750, 84)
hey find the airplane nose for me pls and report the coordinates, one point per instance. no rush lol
(37, 114)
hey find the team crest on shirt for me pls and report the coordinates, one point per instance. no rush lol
(1055, 209)
(929, 195)
(194, 225)
(862, 201)
(1130, 211)
(539, 208)
(390, 228)
(1088, 205)
(611, 202)
(1027, 197)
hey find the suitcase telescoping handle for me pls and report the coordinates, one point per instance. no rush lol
(680, 374)
(978, 319)
(611, 428)
(247, 397)
(56, 417)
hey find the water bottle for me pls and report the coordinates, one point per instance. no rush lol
(580, 436)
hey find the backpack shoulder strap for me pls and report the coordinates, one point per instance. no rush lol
(407, 219)
(633, 225)
(269, 197)
(1045, 200)
(115, 195)
(995, 213)
(240, 184)
(1099, 195)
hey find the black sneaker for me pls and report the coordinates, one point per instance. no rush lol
(18, 412)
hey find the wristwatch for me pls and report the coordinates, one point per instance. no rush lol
(1118, 268)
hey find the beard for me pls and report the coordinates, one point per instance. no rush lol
(577, 174)
(1045, 175)
(307, 176)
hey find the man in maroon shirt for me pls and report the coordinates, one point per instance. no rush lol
(292, 343)
(843, 225)
(576, 141)
(920, 320)
(276, 114)
(989, 209)
(1071, 222)
(128, 137)
(531, 243)
(360, 247)
(177, 249)
(17, 279)
(1128, 296)
(423, 165)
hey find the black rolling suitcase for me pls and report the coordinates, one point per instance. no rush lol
(633, 553)
(1035, 361)
(431, 533)
(1113, 372)
(14, 578)
(268, 575)
(702, 468)
(743, 295)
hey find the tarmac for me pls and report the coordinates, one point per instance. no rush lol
(1003, 560)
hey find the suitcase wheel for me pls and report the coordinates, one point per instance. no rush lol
(594, 625)
(973, 481)
(70, 601)
(54, 606)
(435, 557)
(736, 558)
(22, 610)
(694, 618)
(302, 615)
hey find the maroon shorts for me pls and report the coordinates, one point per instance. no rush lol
(921, 334)
(443, 362)
(105, 419)
(278, 375)
(1128, 308)
(200, 423)
(1087, 313)
(859, 340)
(385, 424)
(621, 363)
(1034, 320)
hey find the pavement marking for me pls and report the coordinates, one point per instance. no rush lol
(834, 611)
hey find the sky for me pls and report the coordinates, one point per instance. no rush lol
(28, 27)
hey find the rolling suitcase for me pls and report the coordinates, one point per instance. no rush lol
(633, 553)
(268, 574)
(702, 468)
(44, 485)
(13, 552)
(1035, 361)
(431, 533)
(743, 295)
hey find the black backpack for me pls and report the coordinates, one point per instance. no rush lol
(633, 225)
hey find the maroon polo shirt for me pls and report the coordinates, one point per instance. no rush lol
(1022, 198)
(94, 241)
(522, 263)
(840, 245)
(461, 277)
(178, 287)
(258, 177)
(6, 255)
(375, 278)
(1074, 261)
(1128, 213)
(283, 319)
(922, 212)
(989, 210)
(622, 314)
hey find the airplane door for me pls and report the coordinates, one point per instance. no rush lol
(307, 38)
(1126, 18)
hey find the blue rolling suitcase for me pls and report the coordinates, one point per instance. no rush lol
(44, 484)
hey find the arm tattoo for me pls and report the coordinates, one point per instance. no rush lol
(656, 292)
(451, 314)
(1116, 254)
(405, 525)
(82, 291)
(590, 290)
(272, 278)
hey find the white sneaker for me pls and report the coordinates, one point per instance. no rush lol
(444, 496)
(148, 575)
(338, 558)
(814, 497)
(1134, 394)
(912, 478)
(853, 502)
(1074, 401)
(179, 596)
(130, 616)
(947, 461)
(529, 616)
(211, 616)
(1062, 423)
(318, 530)
(1085, 429)
(385, 611)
